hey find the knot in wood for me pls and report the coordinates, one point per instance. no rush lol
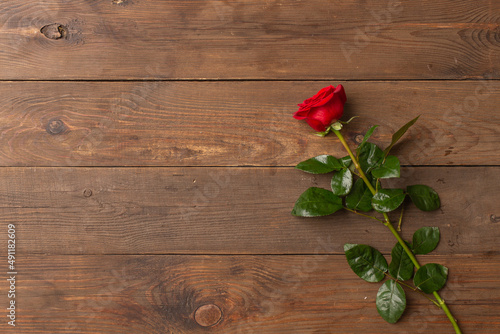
(55, 126)
(208, 315)
(54, 31)
(358, 138)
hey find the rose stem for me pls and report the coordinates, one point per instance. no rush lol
(395, 233)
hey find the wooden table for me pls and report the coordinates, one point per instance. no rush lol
(147, 152)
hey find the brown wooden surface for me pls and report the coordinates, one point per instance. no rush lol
(226, 210)
(100, 39)
(146, 153)
(236, 123)
(256, 294)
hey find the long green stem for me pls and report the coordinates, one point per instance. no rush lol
(355, 161)
(391, 228)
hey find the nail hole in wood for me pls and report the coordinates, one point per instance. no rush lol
(54, 31)
(208, 315)
(87, 192)
(55, 126)
(494, 219)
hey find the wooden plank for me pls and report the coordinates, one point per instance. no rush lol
(169, 39)
(236, 123)
(256, 294)
(227, 210)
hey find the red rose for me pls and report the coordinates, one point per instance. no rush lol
(323, 109)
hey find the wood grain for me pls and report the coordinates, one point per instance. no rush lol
(237, 123)
(146, 153)
(105, 39)
(227, 211)
(256, 294)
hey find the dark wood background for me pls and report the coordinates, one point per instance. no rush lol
(147, 151)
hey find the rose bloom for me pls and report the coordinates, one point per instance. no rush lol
(323, 109)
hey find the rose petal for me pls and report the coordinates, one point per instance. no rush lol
(323, 101)
(324, 108)
(341, 93)
(337, 107)
(316, 125)
(299, 116)
(301, 113)
(319, 97)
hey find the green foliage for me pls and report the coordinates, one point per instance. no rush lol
(360, 197)
(366, 137)
(398, 134)
(370, 156)
(346, 161)
(431, 277)
(389, 168)
(425, 240)
(321, 164)
(315, 202)
(342, 182)
(367, 262)
(391, 301)
(401, 266)
(387, 200)
(425, 198)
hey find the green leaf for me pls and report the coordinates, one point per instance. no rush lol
(391, 301)
(321, 164)
(425, 240)
(424, 197)
(366, 137)
(396, 136)
(346, 161)
(401, 266)
(389, 168)
(342, 182)
(370, 156)
(386, 200)
(360, 197)
(316, 202)
(367, 262)
(431, 277)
